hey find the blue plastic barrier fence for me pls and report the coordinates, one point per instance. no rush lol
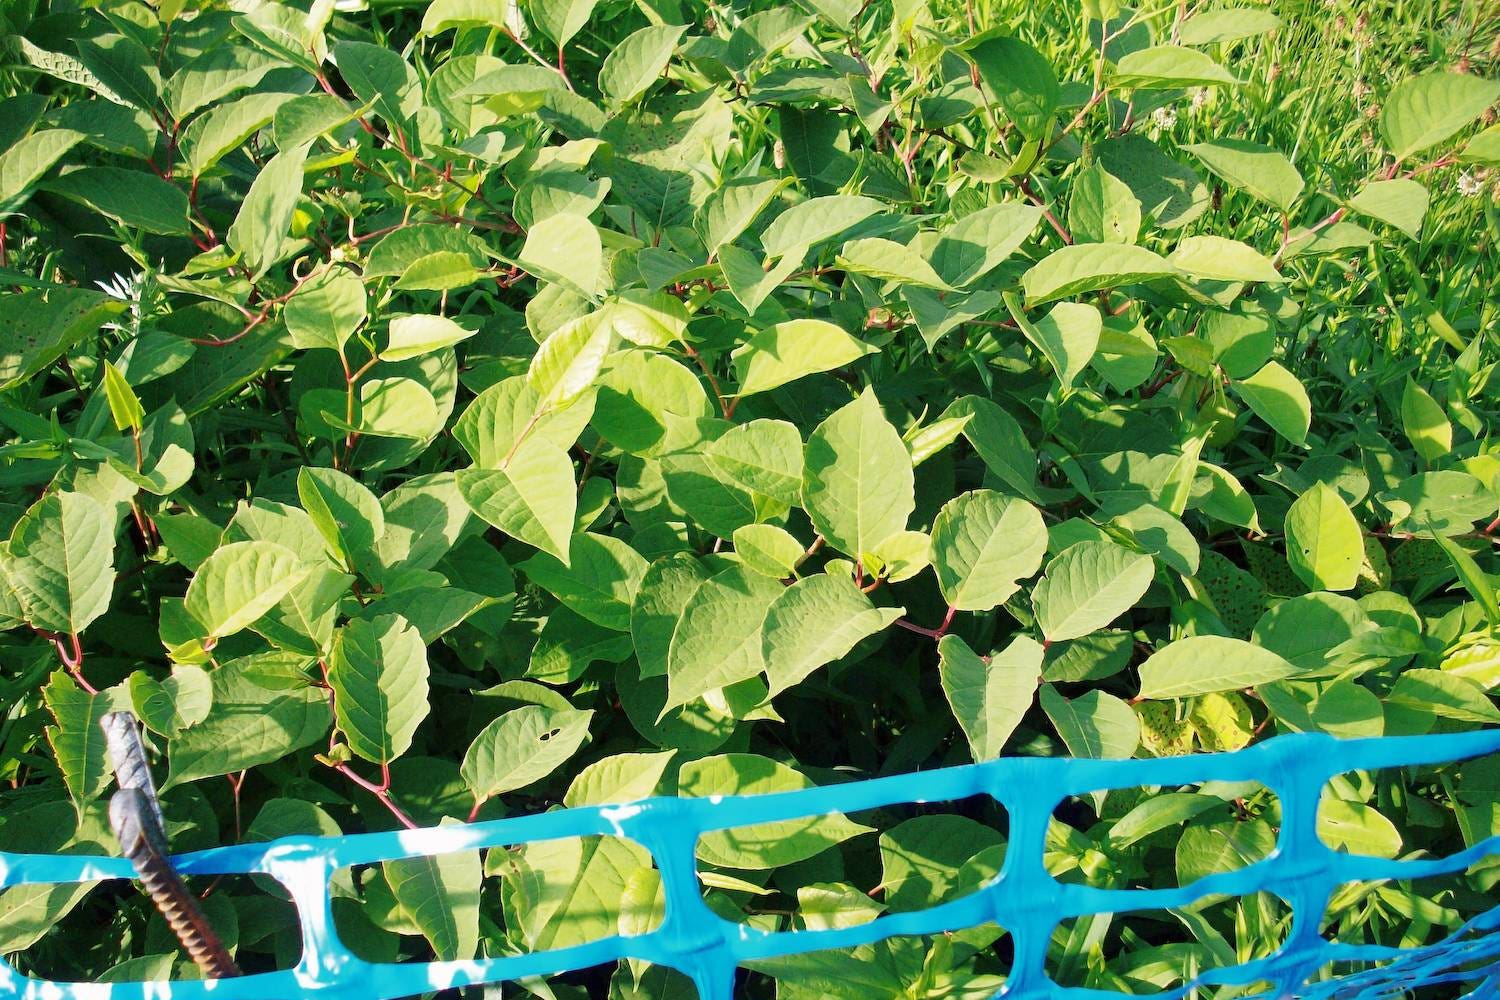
(1024, 899)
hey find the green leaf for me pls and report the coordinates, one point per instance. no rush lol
(1425, 424)
(570, 643)
(983, 544)
(1260, 171)
(1200, 664)
(1000, 442)
(439, 272)
(1422, 111)
(1278, 398)
(381, 78)
(440, 895)
(816, 621)
(1226, 24)
(1401, 203)
(648, 404)
(1474, 579)
(1068, 335)
(130, 197)
(1448, 501)
(717, 641)
(504, 416)
(565, 248)
(1095, 724)
(1221, 259)
(219, 131)
(764, 845)
(569, 360)
(922, 858)
(1170, 66)
(1306, 629)
(574, 890)
(1167, 190)
(1484, 148)
(62, 562)
(1161, 811)
(1022, 81)
(219, 70)
(749, 281)
(378, 671)
(1225, 845)
(1445, 694)
(888, 260)
(76, 739)
(180, 702)
(980, 241)
(1087, 586)
(395, 408)
(28, 912)
(561, 19)
(240, 582)
(857, 485)
(1089, 267)
(648, 319)
(787, 351)
(811, 222)
(925, 441)
(249, 724)
(1102, 208)
(599, 580)
(125, 68)
(442, 15)
(763, 456)
(733, 208)
(1357, 828)
(23, 164)
(625, 777)
(632, 64)
(769, 550)
(522, 747)
(38, 327)
(989, 695)
(669, 585)
(345, 513)
(1324, 544)
(531, 499)
(124, 406)
(260, 228)
(414, 336)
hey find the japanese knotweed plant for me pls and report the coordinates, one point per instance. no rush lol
(424, 413)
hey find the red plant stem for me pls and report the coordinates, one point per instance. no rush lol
(72, 659)
(931, 633)
(382, 794)
(236, 782)
(1037, 200)
(255, 321)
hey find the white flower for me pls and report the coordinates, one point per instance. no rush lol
(1200, 97)
(1468, 185)
(125, 287)
(1164, 118)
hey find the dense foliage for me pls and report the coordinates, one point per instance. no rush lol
(427, 413)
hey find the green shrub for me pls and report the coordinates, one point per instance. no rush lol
(419, 414)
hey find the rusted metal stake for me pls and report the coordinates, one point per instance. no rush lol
(135, 815)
